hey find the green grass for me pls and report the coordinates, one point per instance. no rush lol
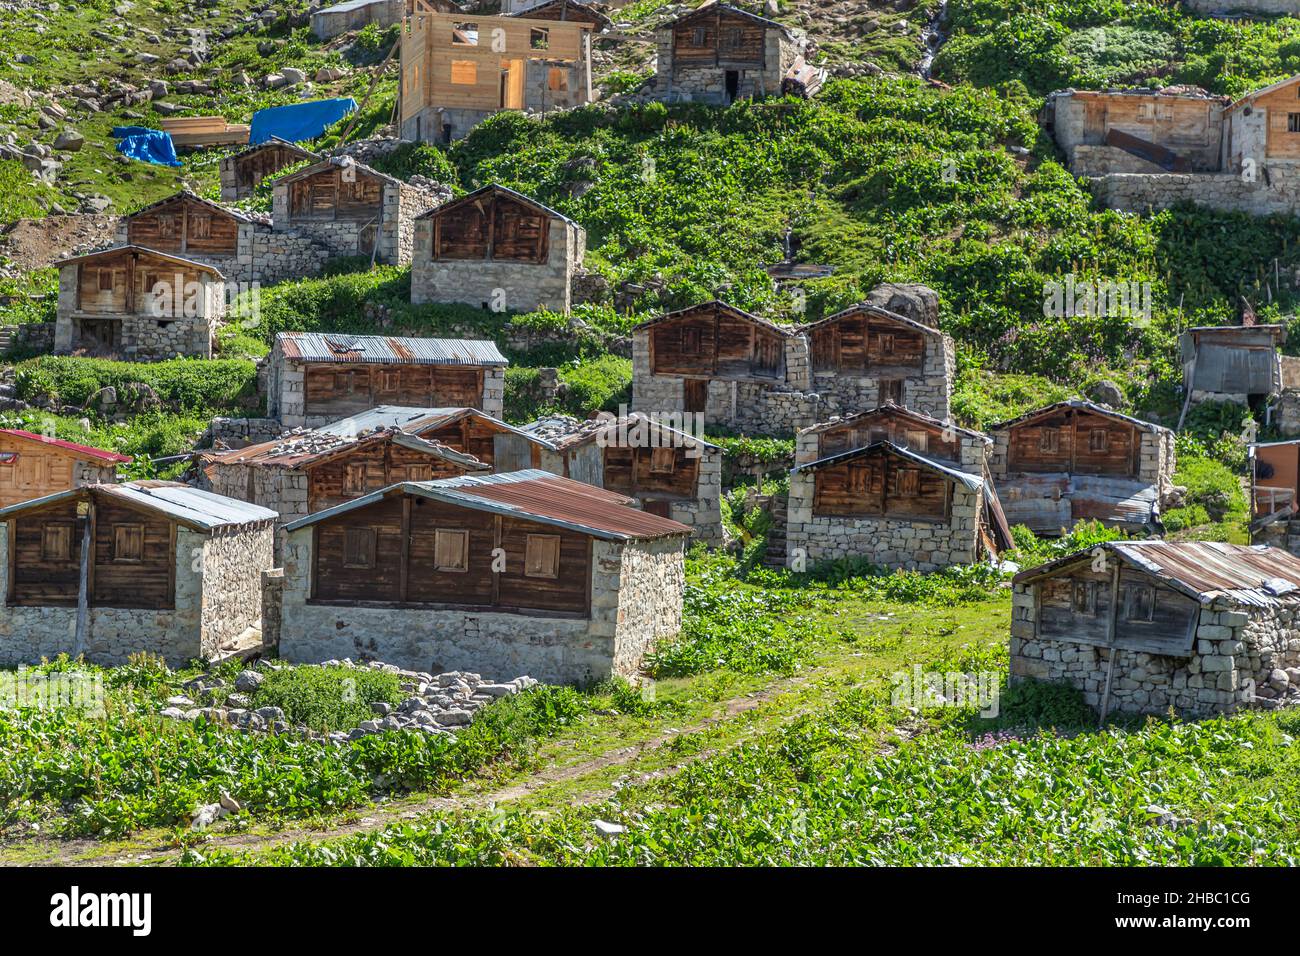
(327, 698)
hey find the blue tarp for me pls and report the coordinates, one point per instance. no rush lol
(147, 145)
(298, 121)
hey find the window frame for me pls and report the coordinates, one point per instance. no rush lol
(658, 455)
(463, 534)
(69, 528)
(353, 488)
(352, 535)
(1088, 590)
(1104, 443)
(1049, 439)
(549, 540)
(1130, 593)
(119, 528)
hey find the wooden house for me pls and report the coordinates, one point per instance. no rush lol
(242, 171)
(498, 249)
(1079, 461)
(1145, 626)
(112, 570)
(308, 471)
(891, 506)
(34, 466)
(720, 362)
(523, 573)
(718, 53)
(665, 470)
(1231, 363)
(865, 356)
(138, 303)
(942, 441)
(316, 377)
(1274, 469)
(1262, 131)
(351, 209)
(458, 69)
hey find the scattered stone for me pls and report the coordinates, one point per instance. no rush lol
(249, 681)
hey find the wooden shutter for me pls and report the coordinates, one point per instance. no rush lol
(542, 556)
(451, 550)
(128, 542)
(56, 541)
(359, 548)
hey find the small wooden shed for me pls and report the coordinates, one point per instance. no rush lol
(519, 573)
(1231, 363)
(34, 466)
(115, 569)
(242, 171)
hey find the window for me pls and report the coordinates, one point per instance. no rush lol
(1293, 122)
(1049, 439)
(542, 556)
(698, 36)
(916, 439)
(464, 34)
(354, 478)
(166, 227)
(105, 280)
(419, 472)
(343, 382)
(690, 341)
(557, 80)
(539, 38)
(56, 541)
(200, 227)
(1140, 604)
(359, 548)
(390, 381)
(662, 460)
(908, 481)
(891, 390)
(464, 72)
(887, 343)
(451, 550)
(859, 479)
(8, 457)
(1099, 439)
(731, 38)
(1084, 600)
(128, 543)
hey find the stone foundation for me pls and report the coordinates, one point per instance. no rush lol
(1278, 192)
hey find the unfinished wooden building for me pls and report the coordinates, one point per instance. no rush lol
(137, 303)
(520, 573)
(1231, 363)
(34, 466)
(1079, 461)
(316, 377)
(666, 470)
(351, 209)
(719, 54)
(168, 569)
(733, 368)
(1145, 626)
(244, 170)
(458, 69)
(865, 356)
(497, 249)
(1274, 469)
(892, 507)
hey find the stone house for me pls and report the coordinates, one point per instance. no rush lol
(458, 69)
(341, 18)
(308, 471)
(34, 466)
(1231, 363)
(734, 368)
(1202, 627)
(521, 573)
(718, 54)
(242, 171)
(351, 209)
(890, 505)
(138, 303)
(663, 469)
(865, 356)
(497, 249)
(1079, 461)
(242, 246)
(316, 377)
(944, 442)
(169, 569)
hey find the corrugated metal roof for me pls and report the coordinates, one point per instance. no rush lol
(533, 495)
(1253, 575)
(190, 506)
(892, 408)
(387, 349)
(416, 420)
(313, 447)
(85, 450)
(973, 482)
(1081, 405)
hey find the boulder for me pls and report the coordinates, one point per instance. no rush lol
(911, 300)
(1106, 392)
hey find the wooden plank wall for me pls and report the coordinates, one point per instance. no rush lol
(629, 472)
(182, 226)
(132, 277)
(1031, 445)
(878, 486)
(717, 38)
(381, 464)
(345, 389)
(889, 426)
(858, 342)
(147, 583)
(256, 166)
(36, 471)
(493, 227)
(714, 343)
(1061, 618)
(325, 195)
(34, 581)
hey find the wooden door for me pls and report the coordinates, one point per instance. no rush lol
(512, 84)
(695, 395)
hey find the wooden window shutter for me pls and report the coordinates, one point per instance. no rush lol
(542, 556)
(662, 461)
(56, 541)
(128, 542)
(359, 548)
(1099, 439)
(354, 478)
(1049, 439)
(451, 550)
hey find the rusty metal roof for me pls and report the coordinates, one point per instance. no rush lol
(387, 349)
(1253, 575)
(531, 495)
(892, 408)
(314, 447)
(192, 507)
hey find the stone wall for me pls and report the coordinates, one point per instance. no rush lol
(262, 254)
(707, 84)
(283, 490)
(272, 607)
(36, 336)
(636, 600)
(890, 542)
(393, 224)
(239, 432)
(1104, 160)
(1237, 656)
(1271, 7)
(1272, 191)
(231, 561)
(496, 284)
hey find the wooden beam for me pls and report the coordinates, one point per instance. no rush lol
(83, 585)
(496, 576)
(406, 549)
(1111, 635)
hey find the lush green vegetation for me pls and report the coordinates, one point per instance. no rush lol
(327, 698)
(193, 386)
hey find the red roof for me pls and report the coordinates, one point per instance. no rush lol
(84, 450)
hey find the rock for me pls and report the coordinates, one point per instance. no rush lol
(69, 140)
(1278, 679)
(910, 300)
(158, 89)
(381, 707)
(180, 700)
(328, 74)
(1293, 674)
(173, 712)
(249, 681)
(1106, 392)
(293, 76)
(270, 713)
(205, 816)
(608, 830)
(229, 803)
(498, 690)
(166, 109)
(273, 81)
(454, 717)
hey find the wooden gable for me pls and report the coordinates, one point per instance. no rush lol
(184, 225)
(494, 225)
(713, 341)
(1075, 441)
(257, 164)
(931, 439)
(861, 340)
(717, 37)
(122, 282)
(881, 485)
(368, 467)
(335, 193)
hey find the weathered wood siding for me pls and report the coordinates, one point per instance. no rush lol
(34, 471)
(36, 577)
(881, 486)
(860, 341)
(325, 195)
(668, 473)
(257, 165)
(718, 38)
(895, 427)
(370, 468)
(183, 226)
(123, 284)
(1075, 605)
(494, 227)
(340, 389)
(716, 343)
(1075, 442)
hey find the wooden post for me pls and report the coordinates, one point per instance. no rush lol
(1111, 633)
(406, 548)
(83, 587)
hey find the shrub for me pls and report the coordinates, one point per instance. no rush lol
(327, 698)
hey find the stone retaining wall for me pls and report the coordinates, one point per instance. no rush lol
(1268, 194)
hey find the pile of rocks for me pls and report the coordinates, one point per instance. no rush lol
(438, 704)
